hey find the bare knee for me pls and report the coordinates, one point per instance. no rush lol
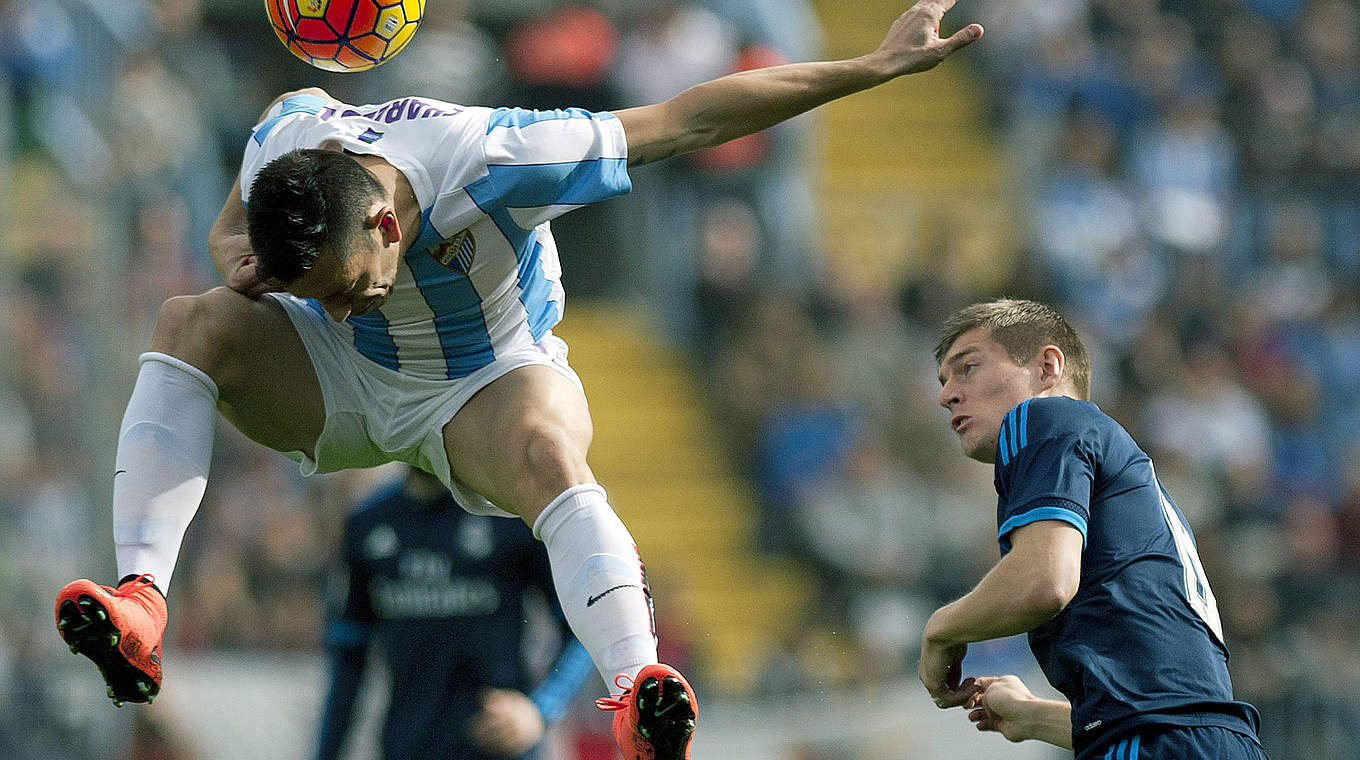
(205, 330)
(552, 460)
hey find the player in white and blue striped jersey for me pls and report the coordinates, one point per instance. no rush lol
(392, 285)
(480, 278)
(1098, 565)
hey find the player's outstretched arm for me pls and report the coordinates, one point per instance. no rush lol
(1005, 705)
(739, 104)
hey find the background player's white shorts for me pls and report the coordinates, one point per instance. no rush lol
(375, 415)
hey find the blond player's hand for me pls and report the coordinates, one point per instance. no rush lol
(913, 43)
(940, 671)
(508, 724)
(1000, 706)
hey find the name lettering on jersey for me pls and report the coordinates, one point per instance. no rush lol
(421, 564)
(427, 598)
(457, 252)
(425, 587)
(405, 109)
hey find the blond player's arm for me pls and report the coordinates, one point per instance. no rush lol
(228, 241)
(1026, 588)
(739, 104)
(1005, 705)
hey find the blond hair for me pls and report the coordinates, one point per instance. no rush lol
(1023, 328)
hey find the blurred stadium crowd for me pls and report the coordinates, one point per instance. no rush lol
(1187, 175)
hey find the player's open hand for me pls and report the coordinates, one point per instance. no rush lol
(1000, 705)
(914, 44)
(508, 724)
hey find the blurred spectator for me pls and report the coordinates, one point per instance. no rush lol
(1203, 416)
(868, 527)
(1085, 211)
(801, 441)
(666, 49)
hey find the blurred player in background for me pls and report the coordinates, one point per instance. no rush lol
(392, 285)
(443, 593)
(1098, 565)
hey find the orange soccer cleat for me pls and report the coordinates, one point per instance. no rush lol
(655, 715)
(120, 630)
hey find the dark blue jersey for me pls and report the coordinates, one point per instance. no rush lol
(443, 594)
(1141, 642)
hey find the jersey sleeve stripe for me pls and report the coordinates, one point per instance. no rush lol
(1014, 432)
(1003, 440)
(289, 106)
(1044, 513)
(529, 218)
(347, 634)
(540, 137)
(553, 696)
(564, 183)
(1010, 430)
(518, 118)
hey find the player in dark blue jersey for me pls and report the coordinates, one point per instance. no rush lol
(443, 593)
(1098, 565)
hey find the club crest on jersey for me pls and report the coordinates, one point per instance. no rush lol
(381, 543)
(457, 252)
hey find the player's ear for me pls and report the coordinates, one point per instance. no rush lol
(383, 218)
(386, 221)
(1052, 365)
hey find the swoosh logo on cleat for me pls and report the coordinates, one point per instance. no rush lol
(116, 473)
(592, 600)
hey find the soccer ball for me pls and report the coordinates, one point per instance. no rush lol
(344, 35)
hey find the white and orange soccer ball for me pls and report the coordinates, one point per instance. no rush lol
(345, 35)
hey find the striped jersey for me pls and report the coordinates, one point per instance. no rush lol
(482, 276)
(1141, 641)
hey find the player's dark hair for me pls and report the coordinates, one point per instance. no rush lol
(303, 202)
(1022, 328)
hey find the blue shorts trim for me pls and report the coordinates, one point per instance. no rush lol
(1179, 743)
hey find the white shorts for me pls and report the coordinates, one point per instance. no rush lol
(375, 415)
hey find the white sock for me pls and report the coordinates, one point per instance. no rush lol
(164, 450)
(600, 580)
